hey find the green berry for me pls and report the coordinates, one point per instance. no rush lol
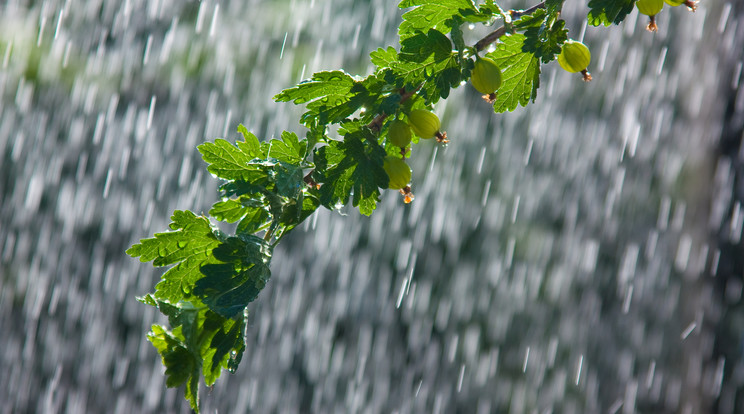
(399, 133)
(574, 57)
(486, 76)
(692, 5)
(425, 124)
(398, 171)
(649, 7)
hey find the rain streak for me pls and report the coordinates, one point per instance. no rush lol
(579, 255)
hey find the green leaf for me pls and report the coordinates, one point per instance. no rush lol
(256, 218)
(520, 73)
(189, 247)
(232, 162)
(229, 286)
(221, 345)
(553, 6)
(542, 39)
(431, 14)
(228, 210)
(181, 314)
(201, 342)
(322, 84)
(181, 365)
(289, 149)
(296, 212)
(489, 8)
(326, 94)
(352, 167)
(428, 58)
(456, 34)
(250, 144)
(607, 12)
(289, 180)
(383, 58)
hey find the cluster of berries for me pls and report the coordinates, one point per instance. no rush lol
(425, 125)
(486, 78)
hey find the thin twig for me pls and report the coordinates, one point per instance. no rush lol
(516, 14)
(496, 34)
(490, 38)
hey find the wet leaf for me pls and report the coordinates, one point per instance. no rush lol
(188, 247)
(607, 12)
(520, 72)
(431, 14)
(352, 167)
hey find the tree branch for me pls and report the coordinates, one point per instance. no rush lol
(496, 34)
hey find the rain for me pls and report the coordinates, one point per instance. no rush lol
(579, 255)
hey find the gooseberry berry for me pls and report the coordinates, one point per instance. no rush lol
(398, 171)
(425, 124)
(692, 5)
(399, 133)
(575, 57)
(650, 8)
(486, 78)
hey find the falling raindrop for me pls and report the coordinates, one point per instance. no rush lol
(582, 222)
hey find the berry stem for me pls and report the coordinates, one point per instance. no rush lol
(652, 27)
(586, 75)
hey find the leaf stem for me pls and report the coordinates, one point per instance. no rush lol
(496, 34)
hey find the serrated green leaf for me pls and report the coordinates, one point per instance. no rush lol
(228, 210)
(256, 218)
(431, 14)
(489, 8)
(607, 12)
(553, 6)
(542, 40)
(250, 144)
(181, 366)
(326, 94)
(228, 287)
(322, 84)
(382, 58)
(201, 342)
(240, 188)
(427, 59)
(189, 247)
(455, 24)
(231, 162)
(520, 73)
(426, 47)
(534, 19)
(352, 167)
(222, 344)
(290, 149)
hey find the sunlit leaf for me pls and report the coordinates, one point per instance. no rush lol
(607, 12)
(431, 14)
(352, 167)
(520, 72)
(188, 247)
